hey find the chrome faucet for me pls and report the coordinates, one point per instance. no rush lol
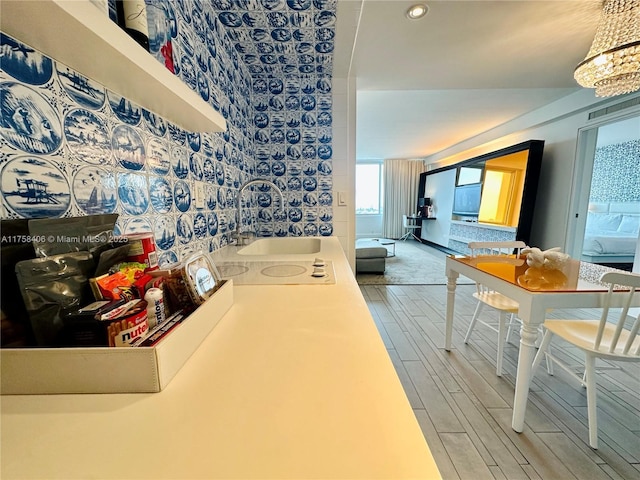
(244, 238)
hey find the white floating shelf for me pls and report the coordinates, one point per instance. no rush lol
(77, 34)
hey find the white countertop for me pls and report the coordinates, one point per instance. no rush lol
(293, 382)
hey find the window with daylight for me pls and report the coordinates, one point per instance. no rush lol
(368, 189)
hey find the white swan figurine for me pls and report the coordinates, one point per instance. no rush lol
(550, 259)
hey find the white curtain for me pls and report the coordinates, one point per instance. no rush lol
(401, 179)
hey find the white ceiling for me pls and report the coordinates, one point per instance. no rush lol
(466, 67)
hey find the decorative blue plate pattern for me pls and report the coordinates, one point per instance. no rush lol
(24, 63)
(87, 136)
(182, 195)
(200, 227)
(164, 231)
(167, 258)
(154, 123)
(184, 228)
(128, 147)
(195, 166)
(94, 189)
(160, 194)
(81, 89)
(158, 159)
(33, 187)
(210, 198)
(180, 162)
(133, 193)
(28, 121)
(212, 223)
(126, 111)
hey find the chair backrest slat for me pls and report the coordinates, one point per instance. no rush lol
(629, 282)
(633, 333)
(603, 319)
(621, 320)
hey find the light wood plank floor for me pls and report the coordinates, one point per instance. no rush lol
(464, 409)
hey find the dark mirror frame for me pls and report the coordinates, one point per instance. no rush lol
(530, 188)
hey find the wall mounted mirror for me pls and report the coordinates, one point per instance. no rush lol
(489, 197)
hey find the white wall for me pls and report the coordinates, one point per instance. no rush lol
(439, 187)
(344, 154)
(557, 124)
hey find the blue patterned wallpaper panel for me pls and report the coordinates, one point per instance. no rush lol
(616, 173)
(287, 47)
(461, 235)
(69, 147)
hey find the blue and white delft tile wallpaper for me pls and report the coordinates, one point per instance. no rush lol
(477, 233)
(69, 147)
(616, 173)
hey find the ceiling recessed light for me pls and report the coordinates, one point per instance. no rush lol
(417, 11)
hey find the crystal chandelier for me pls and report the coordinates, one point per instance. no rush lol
(612, 65)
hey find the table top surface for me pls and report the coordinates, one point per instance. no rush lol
(572, 276)
(384, 241)
(381, 241)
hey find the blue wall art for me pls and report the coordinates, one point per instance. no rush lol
(70, 147)
(616, 173)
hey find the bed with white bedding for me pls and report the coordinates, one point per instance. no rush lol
(612, 232)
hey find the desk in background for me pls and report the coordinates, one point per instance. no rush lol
(417, 221)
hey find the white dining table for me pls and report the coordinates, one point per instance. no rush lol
(574, 285)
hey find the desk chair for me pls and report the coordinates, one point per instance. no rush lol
(506, 307)
(597, 339)
(410, 224)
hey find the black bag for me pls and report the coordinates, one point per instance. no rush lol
(52, 287)
(16, 329)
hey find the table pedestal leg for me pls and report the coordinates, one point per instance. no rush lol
(528, 336)
(451, 297)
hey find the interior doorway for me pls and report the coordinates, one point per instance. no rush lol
(606, 199)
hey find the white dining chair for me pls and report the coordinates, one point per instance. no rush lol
(506, 307)
(597, 339)
(410, 224)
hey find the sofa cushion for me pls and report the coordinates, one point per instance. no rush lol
(630, 224)
(370, 265)
(598, 222)
(371, 252)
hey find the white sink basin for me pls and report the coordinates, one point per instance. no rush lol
(282, 246)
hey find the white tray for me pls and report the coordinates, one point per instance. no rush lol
(111, 370)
